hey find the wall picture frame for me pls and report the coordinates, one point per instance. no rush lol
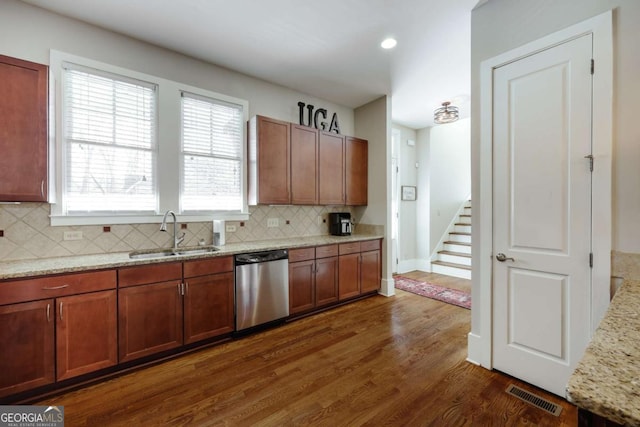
(408, 192)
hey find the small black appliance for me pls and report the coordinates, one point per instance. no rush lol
(340, 223)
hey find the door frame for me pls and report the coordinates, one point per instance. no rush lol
(480, 339)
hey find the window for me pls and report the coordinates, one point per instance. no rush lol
(132, 146)
(110, 146)
(212, 136)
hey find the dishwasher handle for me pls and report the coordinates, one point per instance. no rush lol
(258, 257)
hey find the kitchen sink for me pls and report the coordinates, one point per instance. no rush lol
(200, 250)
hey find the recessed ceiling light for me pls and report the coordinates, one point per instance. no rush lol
(389, 43)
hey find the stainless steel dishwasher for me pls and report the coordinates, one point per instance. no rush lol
(262, 288)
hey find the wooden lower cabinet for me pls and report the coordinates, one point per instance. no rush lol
(370, 272)
(313, 278)
(86, 330)
(360, 267)
(326, 281)
(349, 273)
(302, 283)
(208, 306)
(150, 319)
(27, 337)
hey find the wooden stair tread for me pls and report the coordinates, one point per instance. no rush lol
(463, 223)
(461, 254)
(453, 242)
(452, 264)
(461, 233)
(466, 215)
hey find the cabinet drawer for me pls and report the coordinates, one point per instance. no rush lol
(302, 254)
(349, 248)
(326, 251)
(152, 273)
(55, 286)
(208, 266)
(370, 245)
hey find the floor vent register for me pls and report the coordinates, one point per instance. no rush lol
(534, 400)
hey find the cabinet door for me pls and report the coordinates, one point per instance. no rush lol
(150, 319)
(370, 274)
(86, 333)
(23, 131)
(331, 169)
(349, 276)
(326, 281)
(269, 161)
(301, 286)
(27, 337)
(304, 165)
(356, 171)
(208, 306)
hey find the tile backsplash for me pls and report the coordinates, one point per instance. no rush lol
(27, 233)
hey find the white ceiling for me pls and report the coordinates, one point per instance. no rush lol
(329, 48)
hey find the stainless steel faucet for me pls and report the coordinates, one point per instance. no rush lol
(163, 227)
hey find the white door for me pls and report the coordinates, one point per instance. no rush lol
(542, 214)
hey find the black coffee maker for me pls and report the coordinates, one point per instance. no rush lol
(340, 223)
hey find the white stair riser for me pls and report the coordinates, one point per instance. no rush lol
(463, 228)
(457, 248)
(460, 238)
(451, 271)
(455, 259)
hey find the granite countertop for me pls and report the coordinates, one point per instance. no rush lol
(607, 379)
(44, 266)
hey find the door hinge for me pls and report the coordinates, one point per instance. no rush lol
(591, 259)
(593, 65)
(590, 157)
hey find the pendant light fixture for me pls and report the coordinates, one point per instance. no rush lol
(445, 114)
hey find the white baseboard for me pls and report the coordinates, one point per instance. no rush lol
(387, 287)
(407, 265)
(474, 349)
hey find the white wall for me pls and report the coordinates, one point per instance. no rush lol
(28, 32)
(501, 25)
(423, 210)
(408, 175)
(373, 122)
(450, 175)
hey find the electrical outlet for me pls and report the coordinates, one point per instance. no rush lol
(272, 222)
(230, 228)
(72, 235)
(319, 220)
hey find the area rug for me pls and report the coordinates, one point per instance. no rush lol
(429, 290)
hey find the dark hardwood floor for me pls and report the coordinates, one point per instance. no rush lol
(396, 361)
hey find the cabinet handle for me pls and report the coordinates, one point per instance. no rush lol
(53, 288)
(60, 310)
(48, 313)
(42, 188)
(185, 288)
(179, 292)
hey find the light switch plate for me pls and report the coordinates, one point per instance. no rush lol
(230, 228)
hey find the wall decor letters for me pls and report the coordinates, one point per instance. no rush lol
(312, 118)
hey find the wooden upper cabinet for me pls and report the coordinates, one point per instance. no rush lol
(23, 131)
(356, 171)
(331, 168)
(269, 161)
(300, 165)
(304, 165)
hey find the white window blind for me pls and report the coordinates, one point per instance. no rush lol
(110, 143)
(212, 135)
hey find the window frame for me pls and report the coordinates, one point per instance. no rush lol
(168, 128)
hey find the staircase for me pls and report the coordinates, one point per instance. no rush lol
(454, 258)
